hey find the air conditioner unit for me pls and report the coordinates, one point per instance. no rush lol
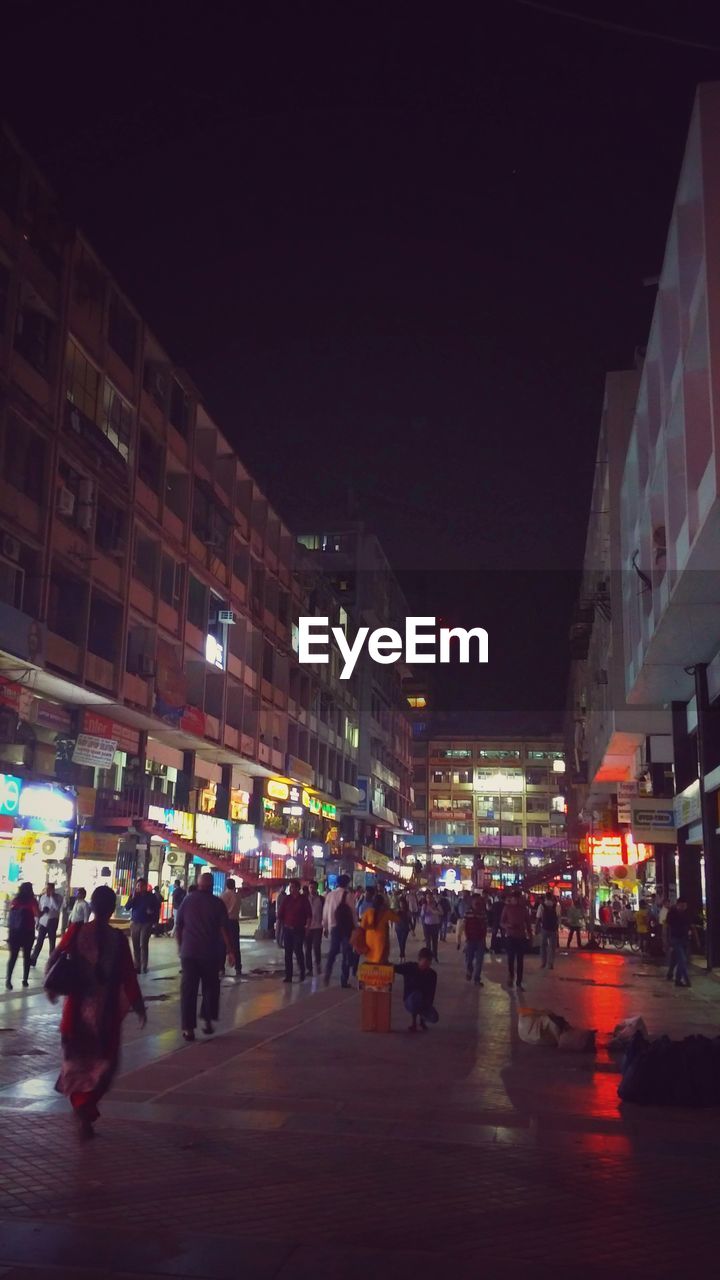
(227, 616)
(146, 664)
(65, 504)
(10, 547)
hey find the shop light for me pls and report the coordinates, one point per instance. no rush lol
(248, 844)
(10, 788)
(279, 848)
(46, 804)
(291, 864)
(317, 851)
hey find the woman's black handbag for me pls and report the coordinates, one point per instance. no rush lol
(66, 974)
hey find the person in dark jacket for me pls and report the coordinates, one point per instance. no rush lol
(22, 915)
(679, 925)
(475, 924)
(144, 913)
(420, 983)
(294, 916)
(515, 924)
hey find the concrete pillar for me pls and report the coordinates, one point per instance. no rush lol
(708, 746)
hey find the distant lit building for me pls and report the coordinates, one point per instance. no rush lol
(487, 799)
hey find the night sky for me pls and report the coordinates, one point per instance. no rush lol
(397, 247)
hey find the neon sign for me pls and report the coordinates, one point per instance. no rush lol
(10, 788)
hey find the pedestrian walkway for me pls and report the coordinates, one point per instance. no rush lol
(293, 1145)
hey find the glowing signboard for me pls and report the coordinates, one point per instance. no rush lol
(10, 788)
(46, 808)
(278, 790)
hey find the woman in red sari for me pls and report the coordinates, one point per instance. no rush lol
(91, 1022)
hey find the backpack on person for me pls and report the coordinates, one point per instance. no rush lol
(18, 919)
(344, 917)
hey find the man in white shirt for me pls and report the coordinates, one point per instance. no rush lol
(80, 913)
(339, 920)
(233, 901)
(50, 906)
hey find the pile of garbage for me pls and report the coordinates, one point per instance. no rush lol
(665, 1072)
(540, 1026)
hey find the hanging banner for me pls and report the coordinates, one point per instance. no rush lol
(626, 792)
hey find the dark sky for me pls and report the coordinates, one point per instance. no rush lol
(397, 247)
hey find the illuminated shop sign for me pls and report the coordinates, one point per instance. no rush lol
(277, 790)
(46, 808)
(314, 804)
(214, 833)
(10, 788)
(239, 804)
(609, 851)
(183, 824)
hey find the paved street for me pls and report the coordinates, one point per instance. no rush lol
(293, 1145)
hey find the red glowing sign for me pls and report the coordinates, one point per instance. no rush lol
(617, 850)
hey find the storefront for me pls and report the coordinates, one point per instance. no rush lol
(95, 861)
(37, 832)
(620, 867)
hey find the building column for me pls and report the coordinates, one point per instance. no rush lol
(184, 783)
(708, 748)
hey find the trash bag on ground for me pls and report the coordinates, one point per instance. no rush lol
(626, 1030)
(539, 1026)
(577, 1040)
(672, 1073)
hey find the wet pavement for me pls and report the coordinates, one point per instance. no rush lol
(291, 1144)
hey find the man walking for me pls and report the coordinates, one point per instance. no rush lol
(475, 924)
(80, 913)
(548, 917)
(176, 900)
(144, 915)
(515, 924)
(233, 901)
(678, 927)
(201, 929)
(313, 935)
(294, 916)
(338, 923)
(50, 906)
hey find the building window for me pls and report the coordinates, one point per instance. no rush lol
(81, 381)
(155, 382)
(197, 607)
(177, 490)
(536, 777)
(104, 628)
(462, 776)
(150, 460)
(145, 560)
(116, 420)
(122, 330)
(34, 332)
(455, 753)
(538, 804)
(67, 606)
(441, 777)
(179, 408)
(171, 581)
(546, 755)
(110, 524)
(24, 458)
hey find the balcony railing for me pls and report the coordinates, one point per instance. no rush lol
(131, 802)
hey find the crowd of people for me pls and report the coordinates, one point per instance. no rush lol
(346, 923)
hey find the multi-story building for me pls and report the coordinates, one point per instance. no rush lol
(488, 794)
(614, 748)
(670, 513)
(663, 493)
(354, 564)
(148, 593)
